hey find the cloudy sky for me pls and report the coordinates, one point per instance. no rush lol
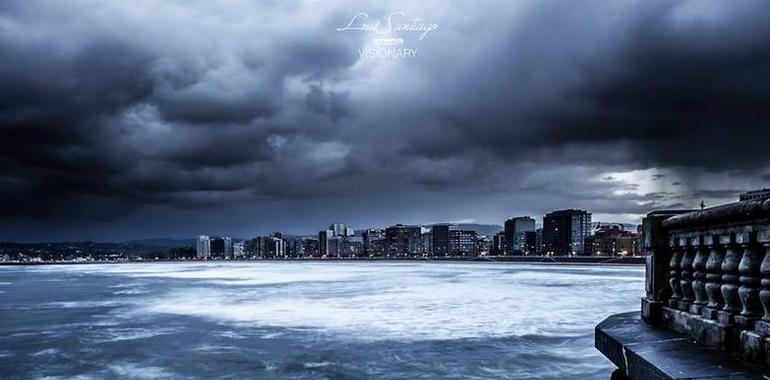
(123, 120)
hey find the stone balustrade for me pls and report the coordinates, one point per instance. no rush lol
(708, 276)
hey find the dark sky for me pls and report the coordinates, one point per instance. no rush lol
(123, 120)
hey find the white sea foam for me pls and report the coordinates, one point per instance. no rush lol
(130, 292)
(78, 377)
(405, 302)
(231, 335)
(120, 334)
(46, 352)
(396, 301)
(137, 371)
(214, 349)
(312, 365)
(82, 304)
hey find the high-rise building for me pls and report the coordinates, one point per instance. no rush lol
(239, 249)
(440, 240)
(483, 245)
(427, 243)
(323, 241)
(565, 232)
(294, 247)
(355, 246)
(253, 247)
(374, 242)
(275, 247)
(498, 244)
(530, 242)
(203, 247)
(337, 246)
(516, 230)
(338, 241)
(221, 246)
(310, 247)
(339, 229)
(401, 240)
(614, 240)
(462, 242)
(539, 241)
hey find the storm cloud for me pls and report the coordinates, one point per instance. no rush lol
(164, 118)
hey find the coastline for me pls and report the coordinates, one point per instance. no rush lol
(547, 260)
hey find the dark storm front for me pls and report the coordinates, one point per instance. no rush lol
(308, 320)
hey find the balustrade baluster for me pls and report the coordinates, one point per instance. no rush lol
(763, 326)
(730, 281)
(685, 276)
(699, 276)
(673, 280)
(750, 280)
(714, 278)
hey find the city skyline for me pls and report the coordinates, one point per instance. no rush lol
(563, 233)
(146, 119)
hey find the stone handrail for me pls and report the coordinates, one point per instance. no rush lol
(708, 276)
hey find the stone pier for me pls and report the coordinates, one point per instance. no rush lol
(706, 310)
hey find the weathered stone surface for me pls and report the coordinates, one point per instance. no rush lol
(752, 346)
(729, 213)
(652, 312)
(709, 333)
(643, 352)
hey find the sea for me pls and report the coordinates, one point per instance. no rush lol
(309, 320)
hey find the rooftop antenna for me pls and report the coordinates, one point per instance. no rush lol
(702, 204)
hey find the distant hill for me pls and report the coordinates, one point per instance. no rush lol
(626, 226)
(481, 229)
(160, 243)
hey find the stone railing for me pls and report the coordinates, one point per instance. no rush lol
(708, 276)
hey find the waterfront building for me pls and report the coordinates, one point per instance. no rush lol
(612, 240)
(253, 247)
(565, 232)
(274, 246)
(239, 249)
(203, 247)
(355, 246)
(498, 244)
(440, 240)
(427, 243)
(294, 247)
(374, 242)
(323, 241)
(336, 241)
(340, 229)
(518, 241)
(310, 247)
(401, 240)
(462, 242)
(483, 245)
(339, 241)
(539, 242)
(221, 246)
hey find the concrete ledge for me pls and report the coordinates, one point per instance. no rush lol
(641, 351)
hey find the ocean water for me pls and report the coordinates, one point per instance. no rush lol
(309, 320)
